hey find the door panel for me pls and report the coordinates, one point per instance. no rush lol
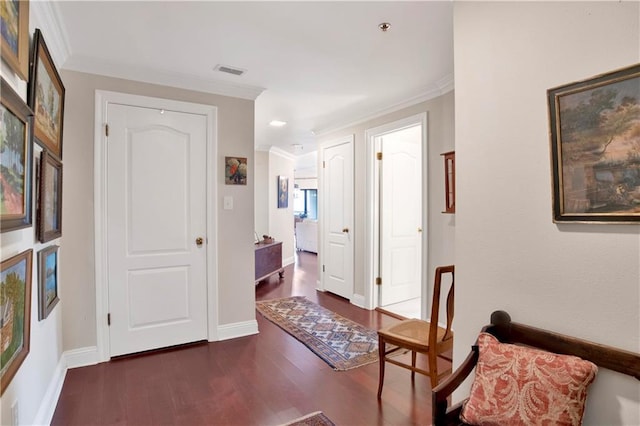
(338, 217)
(156, 209)
(400, 215)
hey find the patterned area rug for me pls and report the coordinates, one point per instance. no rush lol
(313, 419)
(340, 342)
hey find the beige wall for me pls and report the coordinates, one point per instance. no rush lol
(440, 227)
(235, 227)
(577, 279)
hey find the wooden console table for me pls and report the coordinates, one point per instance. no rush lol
(268, 260)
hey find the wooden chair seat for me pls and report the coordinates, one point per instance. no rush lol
(419, 336)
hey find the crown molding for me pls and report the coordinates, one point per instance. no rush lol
(46, 16)
(439, 88)
(165, 78)
(282, 153)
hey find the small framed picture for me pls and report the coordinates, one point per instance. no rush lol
(50, 198)
(15, 314)
(47, 281)
(46, 98)
(283, 192)
(235, 170)
(16, 160)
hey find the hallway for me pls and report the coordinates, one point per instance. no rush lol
(266, 379)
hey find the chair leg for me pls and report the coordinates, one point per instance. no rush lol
(413, 364)
(433, 369)
(381, 361)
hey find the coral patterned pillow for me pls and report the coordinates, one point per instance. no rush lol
(517, 385)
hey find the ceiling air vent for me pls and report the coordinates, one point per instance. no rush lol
(230, 70)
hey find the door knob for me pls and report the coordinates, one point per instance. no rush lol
(345, 230)
(199, 241)
(419, 229)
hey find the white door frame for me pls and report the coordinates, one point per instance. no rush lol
(321, 223)
(371, 233)
(102, 101)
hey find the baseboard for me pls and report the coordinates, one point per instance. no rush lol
(238, 329)
(358, 300)
(69, 359)
(289, 261)
(81, 357)
(50, 399)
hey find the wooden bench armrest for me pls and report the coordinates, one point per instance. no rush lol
(442, 414)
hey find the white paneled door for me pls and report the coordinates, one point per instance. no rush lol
(337, 217)
(156, 227)
(400, 217)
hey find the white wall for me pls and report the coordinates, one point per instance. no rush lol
(31, 384)
(440, 227)
(306, 170)
(261, 172)
(281, 220)
(577, 279)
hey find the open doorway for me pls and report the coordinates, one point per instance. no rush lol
(398, 246)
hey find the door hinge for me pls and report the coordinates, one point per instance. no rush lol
(322, 268)
(106, 130)
(378, 281)
(379, 155)
(323, 165)
(108, 319)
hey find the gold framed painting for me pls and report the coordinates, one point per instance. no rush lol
(46, 98)
(14, 39)
(16, 160)
(15, 314)
(595, 148)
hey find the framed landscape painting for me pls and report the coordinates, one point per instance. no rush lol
(595, 148)
(14, 40)
(47, 281)
(50, 198)
(46, 98)
(16, 160)
(15, 314)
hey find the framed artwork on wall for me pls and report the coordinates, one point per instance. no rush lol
(47, 281)
(235, 170)
(49, 198)
(15, 314)
(595, 148)
(283, 192)
(14, 38)
(46, 98)
(16, 160)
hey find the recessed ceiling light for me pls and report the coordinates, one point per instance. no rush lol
(277, 123)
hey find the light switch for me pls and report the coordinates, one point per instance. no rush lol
(228, 202)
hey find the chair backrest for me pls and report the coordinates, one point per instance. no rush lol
(435, 304)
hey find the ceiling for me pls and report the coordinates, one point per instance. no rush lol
(316, 65)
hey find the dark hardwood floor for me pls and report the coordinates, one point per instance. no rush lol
(266, 379)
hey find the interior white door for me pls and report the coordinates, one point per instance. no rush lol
(400, 217)
(156, 211)
(337, 218)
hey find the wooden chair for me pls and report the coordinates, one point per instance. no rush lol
(420, 336)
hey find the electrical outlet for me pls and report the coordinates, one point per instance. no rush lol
(15, 418)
